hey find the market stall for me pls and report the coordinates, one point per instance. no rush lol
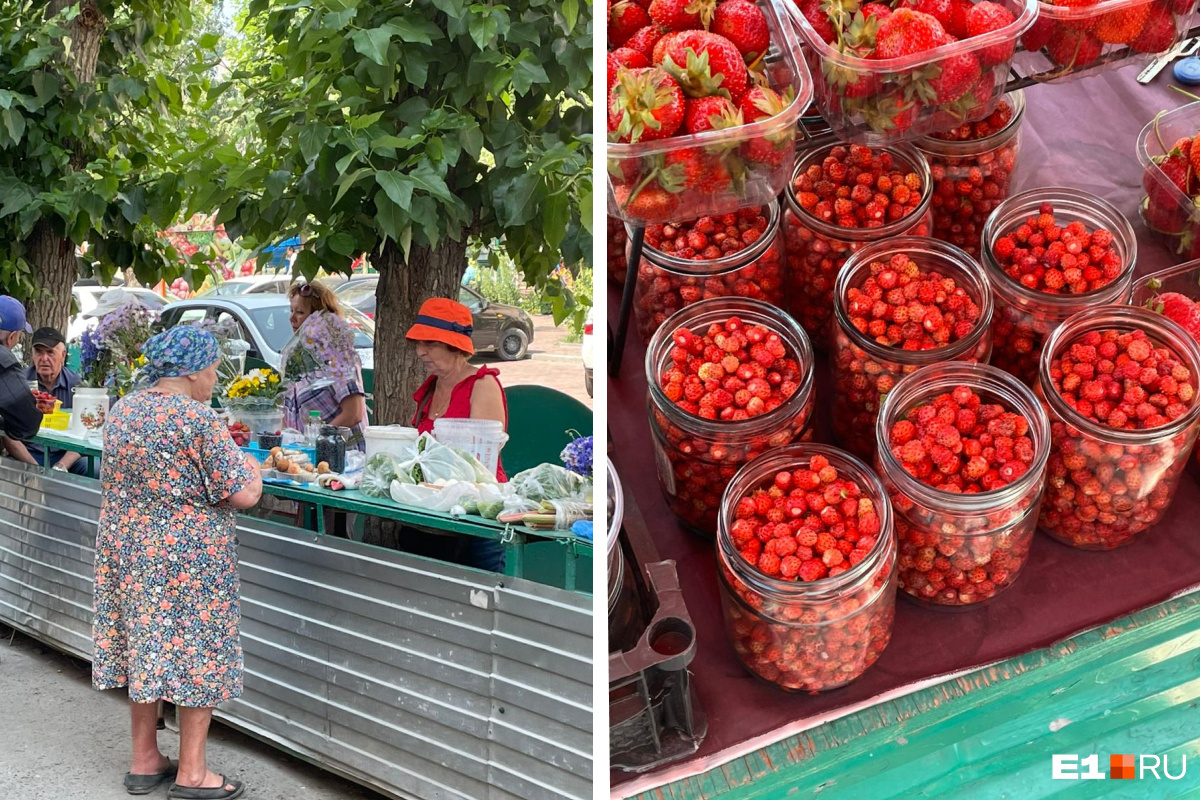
(1087, 652)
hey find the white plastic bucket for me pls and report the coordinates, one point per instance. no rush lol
(388, 439)
(482, 438)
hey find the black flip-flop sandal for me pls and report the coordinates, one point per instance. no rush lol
(145, 784)
(177, 792)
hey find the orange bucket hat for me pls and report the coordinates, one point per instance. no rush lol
(442, 320)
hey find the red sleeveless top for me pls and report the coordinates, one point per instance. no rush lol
(460, 405)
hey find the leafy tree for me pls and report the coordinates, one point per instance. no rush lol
(86, 143)
(402, 128)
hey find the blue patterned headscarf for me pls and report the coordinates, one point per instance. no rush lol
(182, 350)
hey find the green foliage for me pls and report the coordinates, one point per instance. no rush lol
(410, 123)
(92, 160)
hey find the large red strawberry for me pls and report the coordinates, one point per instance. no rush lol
(761, 102)
(816, 16)
(1181, 7)
(666, 41)
(985, 17)
(682, 15)
(1168, 219)
(771, 149)
(644, 104)
(644, 40)
(708, 113)
(1159, 32)
(907, 32)
(957, 26)
(704, 64)
(613, 65)
(651, 203)
(744, 24)
(625, 19)
(1039, 34)
(628, 57)
(694, 168)
(877, 10)
(1173, 170)
(1181, 309)
(941, 10)
(1123, 25)
(959, 73)
(1073, 49)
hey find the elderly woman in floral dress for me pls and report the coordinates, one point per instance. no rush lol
(166, 590)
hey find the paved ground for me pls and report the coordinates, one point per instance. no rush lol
(552, 362)
(61, 740)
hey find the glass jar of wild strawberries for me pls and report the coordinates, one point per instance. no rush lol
(1031, 288)
(972, 168)
(617, 238)
(794, 620)
(898, 306)
(702, 436)
(894, 199)
(730, 255)
(962, 451)
(1119, 384)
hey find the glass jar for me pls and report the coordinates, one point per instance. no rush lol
(697, 458)
(617, 239)
(1024, 317)
(666, 283)
(817, 250)
(972, 177)
(331, 449)
(1104, 486)
(864, 371)
(961, 549)
(622, 608)
(808, 636)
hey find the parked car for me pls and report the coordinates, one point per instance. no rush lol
(87, 297)
(251, 284)
(263, 319)
(587, 353)
(506, 329)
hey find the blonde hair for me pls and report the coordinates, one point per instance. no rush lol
(317, 297)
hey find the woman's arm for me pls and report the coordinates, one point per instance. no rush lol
(487, 400)
(249, 495)
(351, 411)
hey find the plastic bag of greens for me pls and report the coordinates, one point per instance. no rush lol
(378, 475)
(435, 498)
(435, 463)
(481, 472)
(549, 482)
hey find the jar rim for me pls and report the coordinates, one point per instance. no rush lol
(1168, 333)
(916, 161)
(926, 383)
(1017, 207)
(755, 472)
(944, 147)
(951, 255)
(754, 312)
(689, 267)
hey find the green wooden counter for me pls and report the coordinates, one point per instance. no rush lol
(551, 557)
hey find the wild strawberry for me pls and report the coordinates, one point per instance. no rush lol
(704, 64)
(743, 23)
(985, 17)
(644, 104)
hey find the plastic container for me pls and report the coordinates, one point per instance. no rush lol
(482, 438)
(961, 549)
(971, 177)
(89, 410)
(697, 458)
(58, 421)
(1105, 486)
(865, 371)
(1024, 317)
(809, 636)
(617, 239)
(760, 154)
(1169, 214)
(1068, 42)
(388, 439)
(667, 283)
(817, 250)
(261, 454)
(259, 421)
(872, 100)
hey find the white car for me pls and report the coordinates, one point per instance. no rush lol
(88, 297)
(251, 284)
(587, 353)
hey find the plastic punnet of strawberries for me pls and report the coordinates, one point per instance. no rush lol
(727, 255)
(891, 316)
(1074, 34)
(965, 476)
(44, 401)
(1172, 184)
(1122, 405)
(725, 392)
(880, 72)
(807, 564)
(679, 69)
(839, 200)
(1181, 309)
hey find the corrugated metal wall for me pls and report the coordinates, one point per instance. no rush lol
(417, 678)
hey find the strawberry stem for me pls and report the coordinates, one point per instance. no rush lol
(1185, 93)
(1158, 135)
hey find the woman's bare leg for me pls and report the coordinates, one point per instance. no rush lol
(147, 758)
(193, 739)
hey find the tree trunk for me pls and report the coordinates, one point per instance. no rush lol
(402, 288)
(52, 256)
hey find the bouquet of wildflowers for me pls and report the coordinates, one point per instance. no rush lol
(257, 384)
(577, 456)
(323, 346)
(112, 351)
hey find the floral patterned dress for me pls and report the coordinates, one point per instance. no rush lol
(166, 592)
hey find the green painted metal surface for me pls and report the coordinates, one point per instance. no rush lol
(541, 422)
(1129, 687)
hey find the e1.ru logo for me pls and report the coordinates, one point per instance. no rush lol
(1120, 767)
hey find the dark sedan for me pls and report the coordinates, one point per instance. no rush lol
(506, 329)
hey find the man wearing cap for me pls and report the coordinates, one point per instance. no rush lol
(19, 415)
(49, 370)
